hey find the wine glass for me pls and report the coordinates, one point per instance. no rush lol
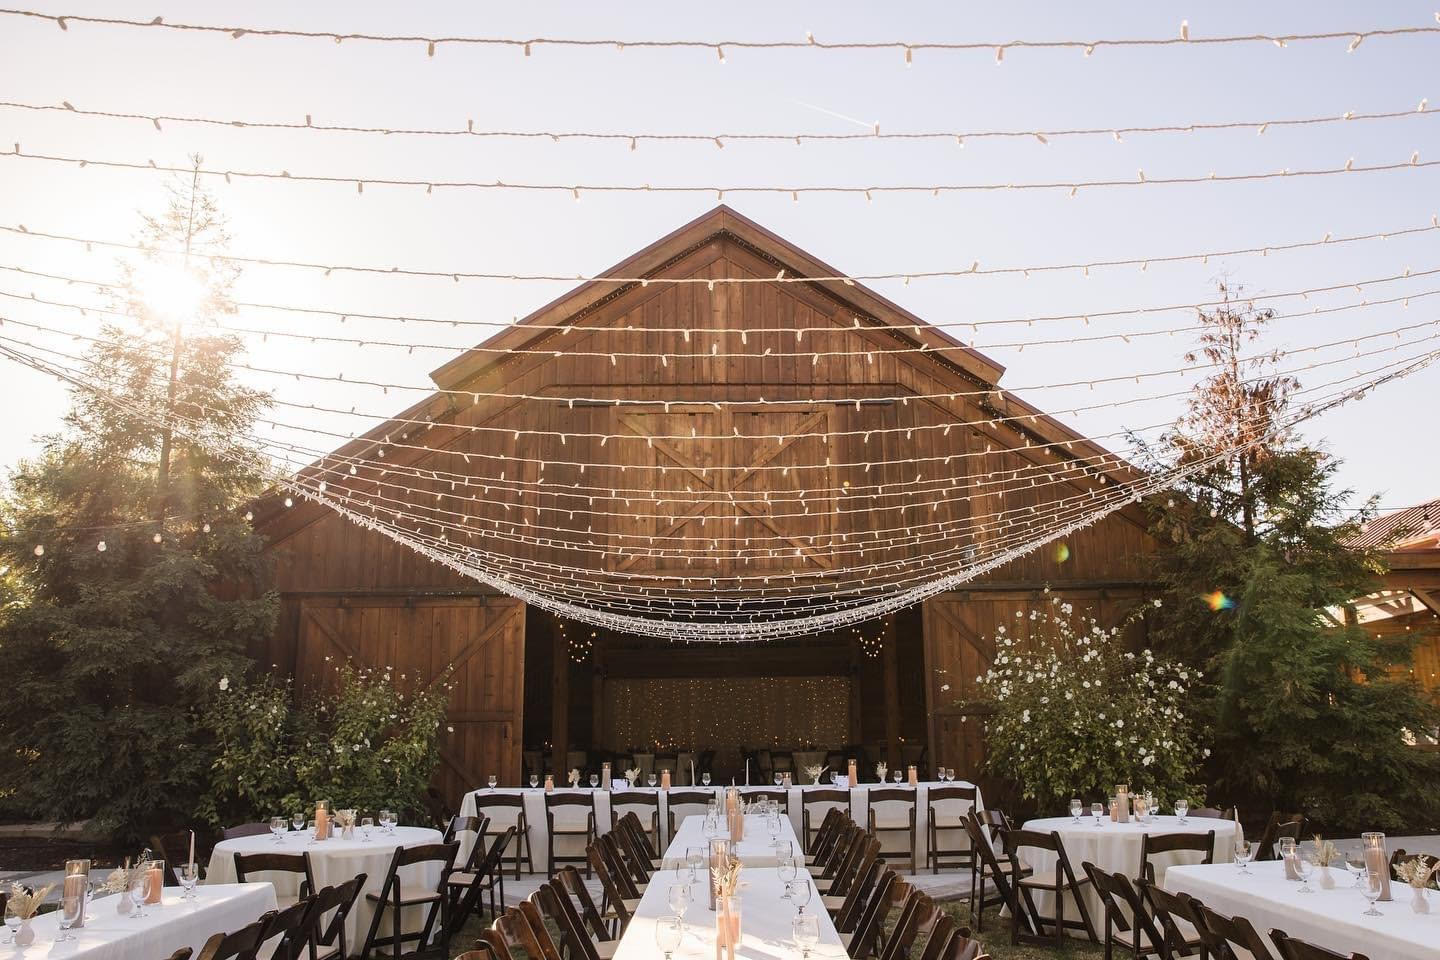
(366, 825)
(1182, 807)
(1076, 808)
(138, 882)
(678, 896)
(1371, 887)
(534, 781)
(297, 820)
(69, 912)
(12, 920)
(387, 821)
(1096, 809)
(896, 775)
(310, 829)
(694, 859)
(189, 876)
(669, 932)
(1285, 848)
(805, 928)
(1303, 869)
(705, 778)
(594, 780)
(788, 869)
(277, 828)
(779, 778)
(652, 779)
(799, 892)
(1244, 849)
(492, 780)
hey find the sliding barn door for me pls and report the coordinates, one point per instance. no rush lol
(956, 652)
(477, 644)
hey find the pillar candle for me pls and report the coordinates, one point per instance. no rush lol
(665, 779)
(191, 861)
(549, 783)
(851, 773)
(154, 882)
(605, 776)
(914, 777)
(322, 821)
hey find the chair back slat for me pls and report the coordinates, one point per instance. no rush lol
(1168, 908)
(557, 906)
(1220, 932)
(240, 944)
(341, 899)
(1153, 843)
(575, 886)
(872, 918)
(296, 864)
(293, 926)
(1292, 949)
(540, 933)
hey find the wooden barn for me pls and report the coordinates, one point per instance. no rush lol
(532, 688)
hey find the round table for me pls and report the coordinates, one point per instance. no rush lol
(1115, 848)
(334, 861)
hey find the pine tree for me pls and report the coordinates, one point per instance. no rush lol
(1303, 706)
(124, 538)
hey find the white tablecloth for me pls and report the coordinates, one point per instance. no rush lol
(534, 799)
(1332, 918)
(335, 861)
(174, 923)
(1115, 848)
(764, 921)
(755, 848)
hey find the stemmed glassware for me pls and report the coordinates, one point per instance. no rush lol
(278, 827)
(594, 780)
(1096, 809)
(1076, 808)
(897, 776)
(1244, 849)
(366, 825)
(694, 859)
(189, 876)
(1355, 860)
(69, 912)
(1182, 807)
(705, 778)
(1371, 887)
(534, 781)
(492, 780)
(652, 780)
(678, 896)
(387, 821)
(799, 892)
(12, 920)
(139, 883)
(805, 928)
(1303, 869)
(669, 933)
(297, 820)
(310, 829)
(779, 778)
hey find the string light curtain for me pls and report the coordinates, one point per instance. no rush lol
(704, 712)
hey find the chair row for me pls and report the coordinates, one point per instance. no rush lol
(297, 928)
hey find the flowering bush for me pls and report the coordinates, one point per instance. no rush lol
(1075, 713)
(368, 746)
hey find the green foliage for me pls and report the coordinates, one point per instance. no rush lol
(1076, 712)
(1307, 710)
(110, 652)
(368, 745)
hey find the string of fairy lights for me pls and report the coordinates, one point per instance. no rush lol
(653, 499)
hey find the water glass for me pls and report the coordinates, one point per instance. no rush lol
(678, 897)
(669, 933)
(652, 780)
(277, 828)
(805, 928)
(1076, 808)
(387, 820)
(1303, 869)
(1370, 886)
(779, 779)
(1182, 807)
(534, 781)
(492, 780)
(1097, 810)
(594, 780)
(189, 876)
(297, 820)
(366, 825)
(705, 779)
(694, 859)
(1285, 848)
(139, 883)
(12, 922)
(69, 913)
(1244, 849)
(310, 829)
(799, 892)
(788, 869)
(1355, 860)
(896, 776)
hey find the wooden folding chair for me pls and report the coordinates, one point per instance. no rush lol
(543, 946)
(837, 822)
(680, 804)
(1279, 825)
(1057, 882)
(866, 847)
(574, 885)
(846, 913)
(861, 942)
(623, 802)
(466, 887)
(618, 904)
(992, 865)
(295, 926)
(1177, 914)
(1292, 949)
(329, 940)
(295, 864)
(1124, 912)
(845, 848)
(915, 916)
(779, 794)
(561, 803)
(1153, 843)
(392, 897)
(240, 944)
(832, 800)
(556, 904)
(878, 825)
(1221, 935)
(630, 834)
(936, 821)
(502, 810)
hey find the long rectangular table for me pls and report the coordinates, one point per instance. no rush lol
(1332, 918)
(764, 917)
(539, 835)
(755, 848)
(165, 928)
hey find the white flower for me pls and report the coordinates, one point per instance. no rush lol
(1119, 721)
(1205, 753)
(1157, 602)
(449, 729)
(224, 683)
(944, 687)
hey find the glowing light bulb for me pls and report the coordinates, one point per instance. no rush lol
(170, 291)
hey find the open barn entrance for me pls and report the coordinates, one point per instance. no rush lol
(594, 696)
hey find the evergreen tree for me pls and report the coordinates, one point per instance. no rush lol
(125, 545)
(1305, 710)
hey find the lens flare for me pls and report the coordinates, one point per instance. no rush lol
(1218, 601)
(1062, 552)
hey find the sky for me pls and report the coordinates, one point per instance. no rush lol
(1383, 439)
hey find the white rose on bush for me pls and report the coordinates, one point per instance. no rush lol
(1072, 747)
